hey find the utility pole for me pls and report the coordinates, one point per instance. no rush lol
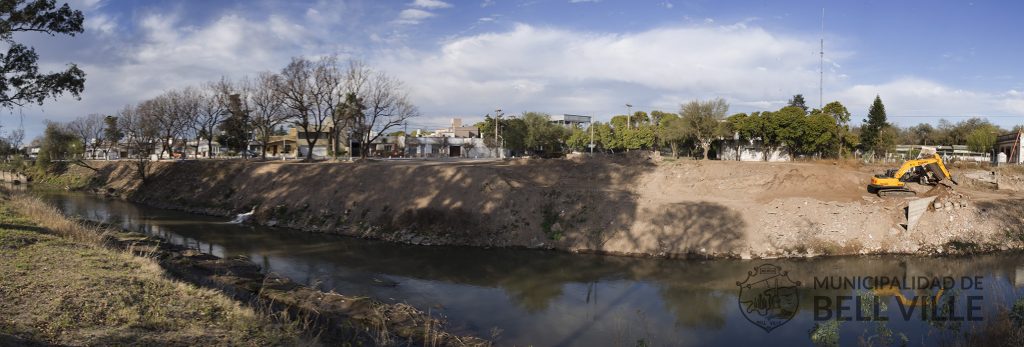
(821, 65)
(591, 136)
(629, 116)
(497, 129)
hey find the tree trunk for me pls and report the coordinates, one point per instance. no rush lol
(309, 148)
(675, 150)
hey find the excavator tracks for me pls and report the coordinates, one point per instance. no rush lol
(885, 193)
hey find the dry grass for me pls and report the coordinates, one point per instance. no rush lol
(57, 285)
(54, 221)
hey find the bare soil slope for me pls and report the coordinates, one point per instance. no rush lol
(693, 208)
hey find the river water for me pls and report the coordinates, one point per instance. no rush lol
(542, 298)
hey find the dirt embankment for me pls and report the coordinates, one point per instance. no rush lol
(681, 208)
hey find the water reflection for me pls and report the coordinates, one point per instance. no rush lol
(549, 298)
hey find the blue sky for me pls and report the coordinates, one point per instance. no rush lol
(927, 59)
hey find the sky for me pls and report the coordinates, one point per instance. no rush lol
(926, 59)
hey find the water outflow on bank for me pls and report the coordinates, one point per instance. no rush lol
(542, 298)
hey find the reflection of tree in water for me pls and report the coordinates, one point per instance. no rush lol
(696, 308)
(533, 294)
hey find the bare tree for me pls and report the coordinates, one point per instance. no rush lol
(90, 130)
(213, 109)
(387, 103)
(267, 110)
(309, 90)
(141, 134)
(158, 111)
(186, 105)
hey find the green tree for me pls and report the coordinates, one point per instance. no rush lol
(790, 126)
(701, 120)
(871, 132)
(604, 137)
(236, 129)
(21, 82)
(638, 137)
(822, 135)
(798, 102)
(673, 132)
(542, 136)
(112, 133)
(58, 143)
(922, 134)
(841, 117)
(512, 133)
(982, 139)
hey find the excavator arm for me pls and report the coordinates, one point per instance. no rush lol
(892, 183)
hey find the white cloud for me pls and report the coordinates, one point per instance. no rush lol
(910, 100)
(412, 16)
(557, 70)
(431, 4)
(487, 3)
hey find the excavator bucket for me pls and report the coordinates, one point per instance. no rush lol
(946, 180)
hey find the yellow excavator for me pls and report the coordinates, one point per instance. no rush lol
(926, 171)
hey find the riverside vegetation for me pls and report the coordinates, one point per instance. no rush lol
(69, 282)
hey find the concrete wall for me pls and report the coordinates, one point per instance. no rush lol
(750, 151)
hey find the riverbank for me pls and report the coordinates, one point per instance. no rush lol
(66, 290)
(695, 209)
(300, 315)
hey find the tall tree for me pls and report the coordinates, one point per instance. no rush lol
(235, 129)
(267, 109)
(841, 118)
(142, 135)
(870, 134)
(309, 90)
(798, 102)
(21, 82)
(213, 109)
(187, 105)
(351, 109)
(112, 133)
(701, 119)
(387, 103)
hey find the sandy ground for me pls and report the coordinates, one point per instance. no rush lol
(623, 206)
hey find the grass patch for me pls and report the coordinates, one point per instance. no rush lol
(59, 285)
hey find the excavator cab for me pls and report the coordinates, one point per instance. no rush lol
(926, 171)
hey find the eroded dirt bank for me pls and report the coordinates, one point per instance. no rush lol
(681, 208)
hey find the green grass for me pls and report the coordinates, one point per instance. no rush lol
(63, 288)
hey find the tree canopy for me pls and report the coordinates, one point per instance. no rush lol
(21, 82)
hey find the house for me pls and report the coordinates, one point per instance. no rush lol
(1008, 148)
(202, 149)
(448, 147)
(294, 143)
(457, 130)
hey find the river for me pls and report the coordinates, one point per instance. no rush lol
(544, 298)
